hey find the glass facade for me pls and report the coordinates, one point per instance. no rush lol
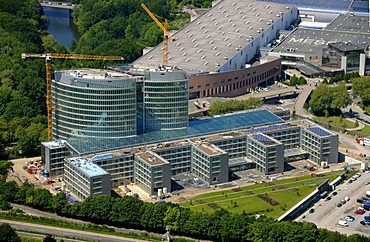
(166, 101)
(332, 55)
(93, 106)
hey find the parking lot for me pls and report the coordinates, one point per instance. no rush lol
(327, 215)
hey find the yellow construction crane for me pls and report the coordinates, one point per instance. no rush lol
(48, 57)
(166, 34)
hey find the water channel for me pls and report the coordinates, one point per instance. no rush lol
(60, 25)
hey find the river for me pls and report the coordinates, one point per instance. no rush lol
(61, 25)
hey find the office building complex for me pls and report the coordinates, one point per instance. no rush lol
(53, 154)
(209, 149)
(93, 103)
(320, 144)
(152, 172)
(266, 152)
(84, 178)
(210, 163)
(166, 100)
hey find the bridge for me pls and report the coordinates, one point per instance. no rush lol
(62, 5)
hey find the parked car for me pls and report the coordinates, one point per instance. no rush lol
(363, 222)
(343, 223)
(343, 201)
(339, 205)
(347, 199)
(349, 218)
(328, 198)
(362, 201)
(360, 211)
(368, 194)
(334, 193)
(311, 210)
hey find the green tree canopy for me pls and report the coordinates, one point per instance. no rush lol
(329, 99)
(222, 107)
(5, 168)
(8, 234)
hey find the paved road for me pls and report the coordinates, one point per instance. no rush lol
(41, 236)
(63, 232)
(327, 214)
(275, 90)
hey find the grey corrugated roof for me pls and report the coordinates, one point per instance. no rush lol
(215, 35)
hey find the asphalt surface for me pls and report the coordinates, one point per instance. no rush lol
(41, 236)
(63, 232)
(327, 214)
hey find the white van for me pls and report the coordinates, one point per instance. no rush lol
(347, 199)
(368, 194)
(343, 223)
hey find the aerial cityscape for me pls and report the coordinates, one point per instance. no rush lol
(197, 120)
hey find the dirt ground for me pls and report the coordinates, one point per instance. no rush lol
(19, 175)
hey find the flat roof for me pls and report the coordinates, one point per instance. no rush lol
(319, 131)
(87, 167)
(151, 158)
(103, 78)
(309, 69)
(54, 144)
(351, 23)
(337, 6)
(203, 127)
(209, 149)
(311, 42)
(216, 36)
(264, 139)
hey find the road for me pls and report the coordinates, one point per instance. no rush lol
(41, 236)
(327, 214)
(63, 232)
(57, 5)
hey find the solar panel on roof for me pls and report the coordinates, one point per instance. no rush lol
(196, 128)
(263, 139)
(360, 7)
(319, 131)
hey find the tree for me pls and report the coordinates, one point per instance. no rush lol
(5, 168)
(60, 203)
(330, 99)
(8, 190)
(49, 238)
(8, 234)
(126, 212)
(40, 199)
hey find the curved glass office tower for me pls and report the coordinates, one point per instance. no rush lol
(93, 103)
(166, 100)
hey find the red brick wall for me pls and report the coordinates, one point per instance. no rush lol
(233, 83)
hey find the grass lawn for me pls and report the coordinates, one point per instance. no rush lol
(365, 131)
(335, 122)
(286, 193)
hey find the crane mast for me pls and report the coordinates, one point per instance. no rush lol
(48, 57)
(166, 33)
